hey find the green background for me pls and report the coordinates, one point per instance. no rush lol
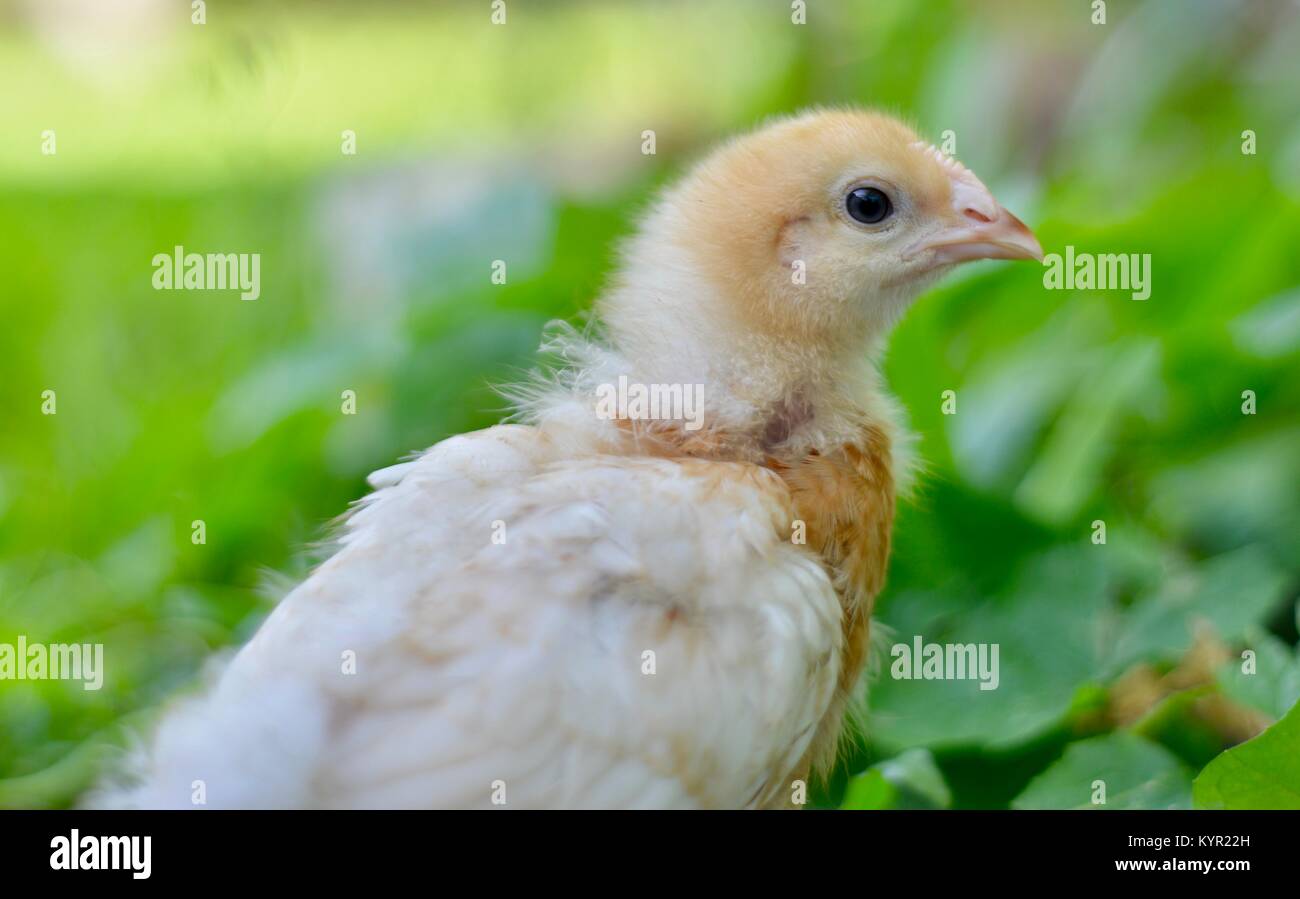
(1120, 662)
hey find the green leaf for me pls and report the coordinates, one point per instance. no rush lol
(1068, 470)
(1273, 683)
(1239, 492)
(1047, 632)
(1233, 593)
(1272, 328)
(1263, 773)
(1009, 401)
(1059, 633)
(1124, 770)
(910, 780)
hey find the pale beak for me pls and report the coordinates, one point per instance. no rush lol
(1001, 237)
(977, 226)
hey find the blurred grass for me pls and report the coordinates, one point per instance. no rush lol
(523, 142)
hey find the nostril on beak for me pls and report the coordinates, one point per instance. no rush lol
(976, 215)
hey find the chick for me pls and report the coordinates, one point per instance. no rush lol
(620, 609)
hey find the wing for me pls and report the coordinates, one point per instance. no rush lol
(501, 624)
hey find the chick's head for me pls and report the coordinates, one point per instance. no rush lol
(831, 222)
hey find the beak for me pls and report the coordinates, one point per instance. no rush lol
(1002, 236)
(977, 227)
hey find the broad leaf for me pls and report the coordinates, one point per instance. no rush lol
(1263, 773)
(1115, 771)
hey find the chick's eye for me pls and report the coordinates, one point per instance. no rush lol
(868, 205)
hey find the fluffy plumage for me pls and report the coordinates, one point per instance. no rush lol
(647, 629)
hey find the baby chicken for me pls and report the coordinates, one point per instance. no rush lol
(617, 603)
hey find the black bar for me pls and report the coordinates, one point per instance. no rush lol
(216, 848)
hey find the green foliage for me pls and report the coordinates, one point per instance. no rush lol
(1039, 676)
(1116, 771)
(909, 780)
(1273, 686)
(1260, 773)
(1073, 407)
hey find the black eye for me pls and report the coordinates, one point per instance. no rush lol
(868, 205)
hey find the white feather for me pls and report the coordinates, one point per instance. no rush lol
(522, 662)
